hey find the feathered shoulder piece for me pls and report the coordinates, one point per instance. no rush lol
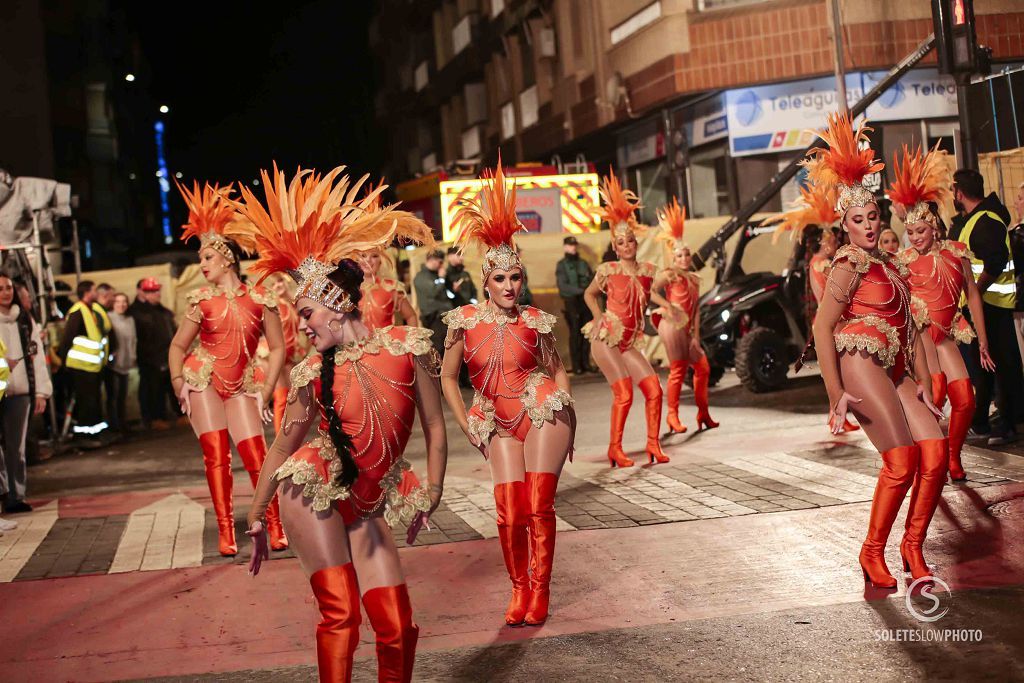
(490, 221)
(813, 207)
(619, 207)
(844, 164)
(672, 219)
(921, 179)
(305, 227)
(212, 219)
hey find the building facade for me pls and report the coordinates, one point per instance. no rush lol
(704, 99)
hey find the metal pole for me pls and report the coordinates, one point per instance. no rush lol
(75, 250)
(37, 246)
(837, 41)
(970, 148)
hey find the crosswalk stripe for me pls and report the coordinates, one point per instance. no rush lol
(17, 546)
(851, 487)
(164, 534)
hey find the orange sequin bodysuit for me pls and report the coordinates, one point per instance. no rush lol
(622, 324)
(682, 288)
(230, 327)
(375, 397)
(381, 298)
(937, 283)
(878, 317)
(507, 357)
(818, 271)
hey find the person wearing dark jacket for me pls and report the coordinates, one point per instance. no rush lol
(985, 234)
(154, 325)
(84, 349)
(458, 281)
(573, 275)
(1017, 252)
(432, 297)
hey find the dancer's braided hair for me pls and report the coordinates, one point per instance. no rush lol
(349, 276)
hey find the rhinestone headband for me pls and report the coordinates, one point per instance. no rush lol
(918, 213)
(218, 243)
(502, 256)
(622, 229)
(853, 195)
(313, 283)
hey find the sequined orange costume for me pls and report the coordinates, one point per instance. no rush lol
(230, 327)
(507, 359)
(375, 399)
(622, 325)
(937, 284)
(818, 270)
(381, 298)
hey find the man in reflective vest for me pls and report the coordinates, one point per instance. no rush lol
(85, 348)
(984, 233)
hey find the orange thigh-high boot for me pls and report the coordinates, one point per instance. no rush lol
(390, 615)
(676, 375)
(650, 387)
(895, 479)
(541, 488)
(217, 458)
(622, 393)
(701, 373)
(931, 477)
(280, 401)
(961, 402)
(253, 452)
(939, 389)
(337, 634)
(513, 510)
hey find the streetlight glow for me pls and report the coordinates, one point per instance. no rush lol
(129, 77)
(164, 109)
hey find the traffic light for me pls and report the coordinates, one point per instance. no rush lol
(956, 39)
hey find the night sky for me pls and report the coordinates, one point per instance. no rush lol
(247, 86)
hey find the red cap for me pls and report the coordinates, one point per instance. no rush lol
(150, 284)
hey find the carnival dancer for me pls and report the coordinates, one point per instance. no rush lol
(522, 418)
(340, 493)
(218, 384)
(678, 322)
(940, 278)
(616, 332)
(812, 217)
(867, 349)
(296, 346)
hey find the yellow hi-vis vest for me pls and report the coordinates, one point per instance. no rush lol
(88, 353)
(1002, 292)
(5, 369)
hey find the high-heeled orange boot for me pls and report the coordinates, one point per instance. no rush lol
(390, 615)
(961, 401)
(337, 635)
(280, 401)
(676, 375)
(701, 374)
(931, 477)
(253, 451)
(650, 387)
(217, 459)
(512, 507)
(622, 392)
(541, 487)
(894, 480)
(939, 389)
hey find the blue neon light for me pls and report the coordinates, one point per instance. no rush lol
(162, 179)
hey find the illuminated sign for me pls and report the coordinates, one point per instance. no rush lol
(162, 179)
(544, 203)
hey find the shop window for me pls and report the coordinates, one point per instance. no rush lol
(529, 106)
(648, 181)
(508, 121)
(709, 182)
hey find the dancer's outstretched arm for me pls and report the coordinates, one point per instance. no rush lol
(274, 333)
(842, 281)
(183, 338)
(428, 402)
(450, 384)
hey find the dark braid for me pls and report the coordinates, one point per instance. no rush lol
(342, 442)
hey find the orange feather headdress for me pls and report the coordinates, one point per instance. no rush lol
(619, 206)
(844, 164)
(813, 207)
(491, 221)
(310, 224)
(212, 219)
(919, 181)
(673, 224)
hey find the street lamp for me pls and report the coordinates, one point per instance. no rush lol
(129, 77)
(164, 109)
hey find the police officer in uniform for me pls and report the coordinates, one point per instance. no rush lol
(984, 232)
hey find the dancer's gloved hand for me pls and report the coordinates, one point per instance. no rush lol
(925, 396)
(837, 415)
(183, 397)
(263, 404)
(479, 445)
(595, 329)
(986, 360)
(260, 548)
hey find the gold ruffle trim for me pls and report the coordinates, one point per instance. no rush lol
(482, 428)
(304, 372)
(848, 341)
(611, 330)
(541, 412)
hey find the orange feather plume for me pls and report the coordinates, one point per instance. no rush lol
(211, 209)
(316, 216)
(619, 204)
(921, 178)
(843, 163)
(491, 218)
(673, 223)
(814, 206)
